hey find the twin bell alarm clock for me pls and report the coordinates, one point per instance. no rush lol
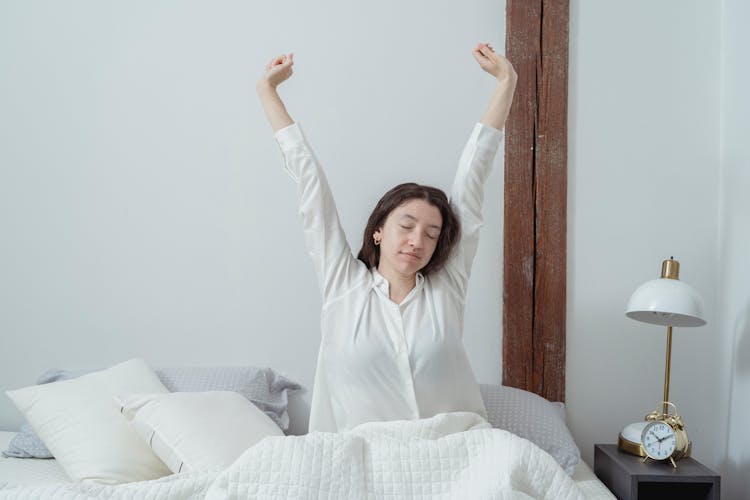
(661, 436)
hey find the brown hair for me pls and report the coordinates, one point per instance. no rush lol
(449, 232)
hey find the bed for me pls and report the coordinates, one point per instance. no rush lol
(195, 424)
(526, 363)
(40, 472)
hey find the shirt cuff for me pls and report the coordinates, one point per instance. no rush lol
(289, 137)
(486, 136)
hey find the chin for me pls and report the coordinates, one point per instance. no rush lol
(407, 267)
(416, 269)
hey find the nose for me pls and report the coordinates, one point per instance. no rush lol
(416, 239)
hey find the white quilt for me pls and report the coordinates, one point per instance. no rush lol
(454, 455)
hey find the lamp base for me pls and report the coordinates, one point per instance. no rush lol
(629, 439)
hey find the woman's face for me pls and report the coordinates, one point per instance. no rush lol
(408, 237)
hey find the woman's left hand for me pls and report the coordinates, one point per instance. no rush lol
(494, 64)
(499, 67)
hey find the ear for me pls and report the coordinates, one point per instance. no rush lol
(377, 236)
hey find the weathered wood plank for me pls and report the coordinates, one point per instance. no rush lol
(535, 227)
(522, 40)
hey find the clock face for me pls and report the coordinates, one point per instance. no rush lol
(658, 440)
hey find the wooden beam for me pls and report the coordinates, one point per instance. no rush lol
(522, 41)
(534, 266)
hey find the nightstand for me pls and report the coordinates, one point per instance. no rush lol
(630, 479)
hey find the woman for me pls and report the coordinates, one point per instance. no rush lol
(392, 319)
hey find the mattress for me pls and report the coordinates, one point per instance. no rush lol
(33, 471)
(590, 485)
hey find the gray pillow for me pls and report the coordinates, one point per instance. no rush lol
(534, 418)
(264, 387)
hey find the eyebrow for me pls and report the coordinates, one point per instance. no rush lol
(411, 217)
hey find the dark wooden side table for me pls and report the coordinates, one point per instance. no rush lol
(628, 478)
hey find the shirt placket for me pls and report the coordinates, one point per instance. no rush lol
(402, 356)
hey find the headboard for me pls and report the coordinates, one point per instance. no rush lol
(534, 258)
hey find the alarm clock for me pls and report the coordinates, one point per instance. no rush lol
(658, 440)
(660, 437)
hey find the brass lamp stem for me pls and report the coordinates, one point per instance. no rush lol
(666, 370)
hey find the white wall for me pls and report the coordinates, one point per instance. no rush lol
(659, 166)
(143, 206)
(643, 186)
(734, 246)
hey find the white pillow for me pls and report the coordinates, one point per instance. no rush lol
(81, 425)
(534, 418)
(197, 430)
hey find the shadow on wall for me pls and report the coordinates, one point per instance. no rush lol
(736, 481)
(742, 336)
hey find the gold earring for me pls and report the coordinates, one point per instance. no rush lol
(376, 240)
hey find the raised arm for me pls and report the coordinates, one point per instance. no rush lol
(499, 67)
(335, 266)
(475, 165)
(277, 71)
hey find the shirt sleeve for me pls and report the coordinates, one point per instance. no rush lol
(335, 266)
(467, 196)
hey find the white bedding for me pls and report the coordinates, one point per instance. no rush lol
(28, 471)
(422, 459)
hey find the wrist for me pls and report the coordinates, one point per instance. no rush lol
(506, 80)
(264, 87)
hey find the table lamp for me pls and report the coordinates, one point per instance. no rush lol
(670, 302)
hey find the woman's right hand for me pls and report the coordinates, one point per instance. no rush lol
(277, 71)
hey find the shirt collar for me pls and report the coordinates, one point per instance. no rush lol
(379, 282)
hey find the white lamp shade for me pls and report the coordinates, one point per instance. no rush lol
(666, 301)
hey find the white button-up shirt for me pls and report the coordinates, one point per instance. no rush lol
(379, 360)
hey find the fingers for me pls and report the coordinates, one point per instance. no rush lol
(274, 62)
(495, 64)
(487, 50)
(484, 52)
(483, 47)
(481, 59)
(279, 60)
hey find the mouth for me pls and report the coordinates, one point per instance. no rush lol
(412, 256)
